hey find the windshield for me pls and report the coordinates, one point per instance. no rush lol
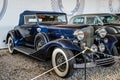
(52, 18)
(108, 19)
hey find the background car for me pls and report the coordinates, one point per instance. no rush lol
(111, 23)
(46, 35)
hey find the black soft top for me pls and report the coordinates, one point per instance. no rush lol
(27, 12)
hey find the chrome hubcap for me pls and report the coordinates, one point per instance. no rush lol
(60, 59)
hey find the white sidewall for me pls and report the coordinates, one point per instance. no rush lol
(10, 39)
(57, 50)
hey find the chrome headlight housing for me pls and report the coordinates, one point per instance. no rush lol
(102, 32)
(101, 47)
(94, 48)
(79, 34)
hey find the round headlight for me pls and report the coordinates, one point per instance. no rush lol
(94, 48)
(79, 34)
(101, 47)
(102, 33)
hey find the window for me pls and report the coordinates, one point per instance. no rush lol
(78, 20)
(92, 21)
(107, 19)
(30, 19)
(51, 18)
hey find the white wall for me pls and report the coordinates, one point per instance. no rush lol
(71, 7)
(14, 8)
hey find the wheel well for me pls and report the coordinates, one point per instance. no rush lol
(51, 50)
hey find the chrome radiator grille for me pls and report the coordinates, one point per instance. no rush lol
(89, 36)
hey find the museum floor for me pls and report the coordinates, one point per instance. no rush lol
(22, 67)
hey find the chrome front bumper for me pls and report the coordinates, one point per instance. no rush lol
(100, 62)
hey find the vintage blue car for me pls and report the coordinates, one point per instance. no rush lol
(47, 36)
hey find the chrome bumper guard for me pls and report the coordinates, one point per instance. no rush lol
(100, 62)
(105, 61)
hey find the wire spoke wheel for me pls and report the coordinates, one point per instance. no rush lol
(39, 43)
(60, 59)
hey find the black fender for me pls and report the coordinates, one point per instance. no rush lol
(48, 48)
(111, 30)
(10, 33)
(112, 40)
(63, 43)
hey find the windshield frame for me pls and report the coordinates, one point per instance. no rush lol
(53, 22)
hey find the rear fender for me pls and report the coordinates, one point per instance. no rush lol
(10, 33)
(16, 37)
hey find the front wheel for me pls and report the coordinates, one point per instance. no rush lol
(11, 45)
(59, 56)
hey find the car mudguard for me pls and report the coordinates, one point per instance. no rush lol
(15, 35)
(10, 33)
(48, 48)
(112, 40)
(63, 43)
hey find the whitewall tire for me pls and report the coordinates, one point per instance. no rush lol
(10, 45)
(59, 56)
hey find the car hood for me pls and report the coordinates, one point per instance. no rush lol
(88, 31)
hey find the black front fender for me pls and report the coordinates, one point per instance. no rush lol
(48, 48)
(64, 43)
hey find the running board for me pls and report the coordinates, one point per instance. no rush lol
(25, 50)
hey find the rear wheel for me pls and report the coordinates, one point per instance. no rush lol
(39, 43)
(11, 45)
(60, 56)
